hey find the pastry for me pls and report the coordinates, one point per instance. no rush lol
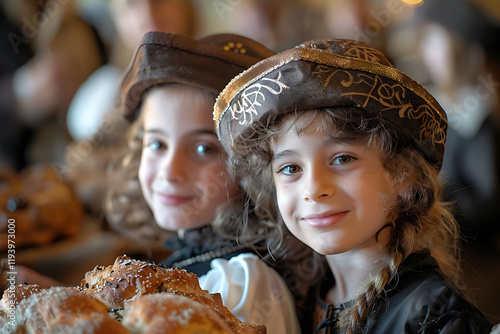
(37, 207)
(128, 279)
(174, 314)
(64, 310)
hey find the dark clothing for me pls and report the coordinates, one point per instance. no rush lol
(196, 250)
(472, 168)
(417, 300)
(15, 51)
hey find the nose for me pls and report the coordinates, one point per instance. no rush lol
(318, 185)
(174, 167)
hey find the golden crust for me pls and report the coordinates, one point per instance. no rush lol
(155, 300)
(171, 313)
(128, 279)
(63, 309)
(95, 323)
(214, 301)
(41, 206)
(17, 293)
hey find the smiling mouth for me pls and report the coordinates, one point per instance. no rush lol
(172, 199)
(324, 220)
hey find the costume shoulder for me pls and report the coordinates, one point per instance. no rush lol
(420, 300)
(254, 291)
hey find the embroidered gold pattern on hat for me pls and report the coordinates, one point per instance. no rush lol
(240, 81)
(350, 48)
(244, 108)
(393, 98)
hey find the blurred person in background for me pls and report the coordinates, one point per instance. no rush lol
(82, 161)
(65, 50)
(458, 46)
(459, 49)
(14, 54)
(280, 24)
(49, 50)
(363, 20)
(131, 19)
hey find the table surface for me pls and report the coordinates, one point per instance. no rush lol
(69, 259)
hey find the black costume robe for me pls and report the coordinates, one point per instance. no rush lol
(418, 300)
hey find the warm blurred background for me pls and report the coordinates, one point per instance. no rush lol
(60, 66)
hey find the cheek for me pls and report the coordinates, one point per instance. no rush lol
(211, 180)
(285, 202)
(145, 175)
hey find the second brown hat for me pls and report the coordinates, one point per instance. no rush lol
(208, 63)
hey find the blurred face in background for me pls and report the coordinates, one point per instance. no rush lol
(182, 174)
(134, 18)
(437, 53)
(452, 62)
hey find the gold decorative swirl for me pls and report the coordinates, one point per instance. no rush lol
(368, 87)
(245, 107)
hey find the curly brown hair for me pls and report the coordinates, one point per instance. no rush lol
(422, 219)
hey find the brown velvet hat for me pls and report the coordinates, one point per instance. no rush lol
(209, 63)
(329, 73)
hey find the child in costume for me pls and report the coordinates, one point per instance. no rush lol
(349, 149)
(168, 93)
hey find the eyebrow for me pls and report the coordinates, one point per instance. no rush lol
(283, 154)
(195, 132)
(153, 131)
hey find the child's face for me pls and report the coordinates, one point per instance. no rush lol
(181, 172)
(332, 196)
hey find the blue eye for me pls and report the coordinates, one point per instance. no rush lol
(204, 149)
(155, 145)
(290, 169)
(343, 160)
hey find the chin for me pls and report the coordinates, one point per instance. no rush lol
(328, 248)
(323, 251)
(175, 225)
(168, 227)
(169, 222)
